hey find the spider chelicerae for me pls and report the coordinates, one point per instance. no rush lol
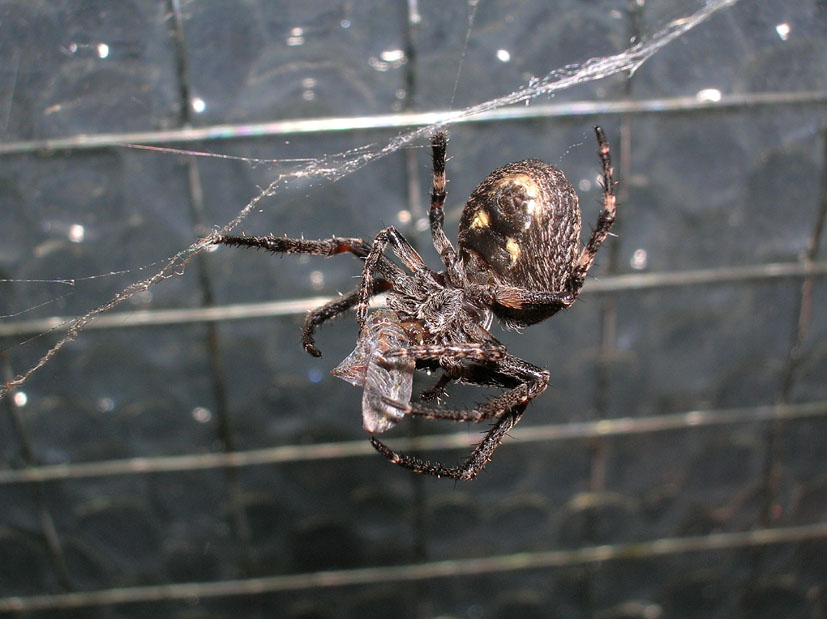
(518, 257)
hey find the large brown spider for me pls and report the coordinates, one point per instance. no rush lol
(518, 257)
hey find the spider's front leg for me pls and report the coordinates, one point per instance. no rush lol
(323, 247)
(604, 220)
(436, 215)
(286, 245)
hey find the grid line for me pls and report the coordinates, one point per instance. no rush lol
(523, 435)
(292, 307)
(450, 568)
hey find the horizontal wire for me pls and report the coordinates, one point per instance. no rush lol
(458, 440)
(451, 568)
(415, 119)
(291, 307)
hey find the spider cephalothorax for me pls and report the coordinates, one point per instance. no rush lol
(518, 257)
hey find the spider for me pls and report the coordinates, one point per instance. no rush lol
(518, 257)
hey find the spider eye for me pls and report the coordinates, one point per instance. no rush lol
(522, 222)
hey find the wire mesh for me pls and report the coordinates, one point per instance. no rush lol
(182, 457)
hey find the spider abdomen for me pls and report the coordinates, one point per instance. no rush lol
(523, 223)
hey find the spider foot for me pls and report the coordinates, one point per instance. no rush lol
(311, 350)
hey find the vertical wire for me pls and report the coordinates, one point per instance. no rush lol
(771, 474)
(419, 591)
(47, 524)
(608, 324)
(241, 526)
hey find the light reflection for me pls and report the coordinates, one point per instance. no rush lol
(639, 260)
(503, 55)
(388, 59)
(198, 105)
(20, 398)
(201, 414)
(392, 55)
(783, 31)
(76, 233)
(708, 95)
(103, 50)
(296, 37)
(308, 84)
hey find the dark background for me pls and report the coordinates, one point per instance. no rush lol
(675, 466)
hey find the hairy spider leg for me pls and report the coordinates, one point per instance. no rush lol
(332, 309)
(475, 351)
(286, 245)
(327, 248)
(472, 466)
(606, 217)
(406, 253)
(436, 215)
(530, 382)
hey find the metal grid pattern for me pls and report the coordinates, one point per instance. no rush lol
(183, 457)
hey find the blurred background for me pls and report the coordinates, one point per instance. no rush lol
(183, 457)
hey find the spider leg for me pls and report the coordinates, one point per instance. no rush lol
(326, 247)
(375, 260)
(606, 217)
(322, 247)
(521, 298)
(332, 309)
(474, 351)
(468, 374)
(475, 462)
(529, 379)
(286, 245)
(436, 215)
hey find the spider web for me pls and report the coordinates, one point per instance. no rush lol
(336, 166)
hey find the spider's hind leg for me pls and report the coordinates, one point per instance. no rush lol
(472, 466)
(526, 382)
